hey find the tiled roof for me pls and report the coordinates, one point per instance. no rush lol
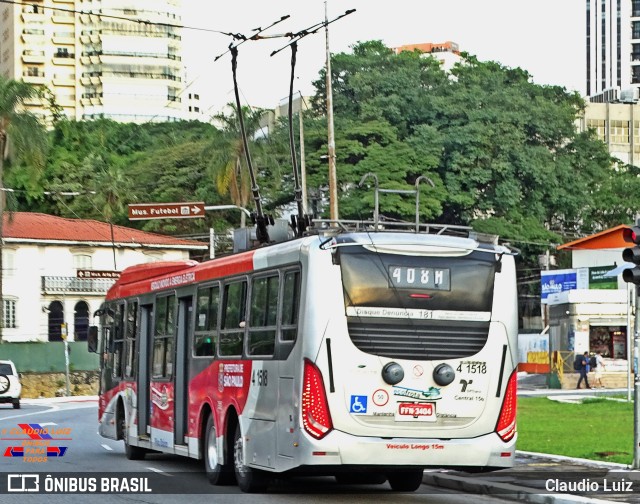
(38, 226)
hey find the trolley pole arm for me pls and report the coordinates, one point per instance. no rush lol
(262, 234)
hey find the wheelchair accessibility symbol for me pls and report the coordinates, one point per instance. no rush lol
(358, 404)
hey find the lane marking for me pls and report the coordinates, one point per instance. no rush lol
(159, 471)
(107, 447)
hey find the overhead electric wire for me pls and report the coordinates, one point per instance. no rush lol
(121, 18)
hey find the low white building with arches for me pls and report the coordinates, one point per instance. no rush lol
(56, 271)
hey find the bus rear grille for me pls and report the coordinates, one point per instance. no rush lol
(422, 341)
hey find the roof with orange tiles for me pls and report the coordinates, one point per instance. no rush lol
(38, 227)
(608, 239)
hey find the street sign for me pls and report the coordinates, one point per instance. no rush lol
(144, 211)
(91, 274)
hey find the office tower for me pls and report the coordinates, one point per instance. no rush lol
(613, 49)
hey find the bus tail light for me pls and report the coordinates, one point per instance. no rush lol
(506, 426)
(316, 418)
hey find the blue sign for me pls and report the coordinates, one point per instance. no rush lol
(358, 404)
(553, 282)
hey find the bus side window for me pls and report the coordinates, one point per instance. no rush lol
(233, 319)
(290, 305)
(263, 316)
(162, 361)
(130, 339)
(118, 341)
(206, 321)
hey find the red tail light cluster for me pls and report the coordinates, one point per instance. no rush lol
(506, 426)
(316, 418)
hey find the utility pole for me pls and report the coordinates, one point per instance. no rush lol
(636, 383)
(303, 168)
(333, 181)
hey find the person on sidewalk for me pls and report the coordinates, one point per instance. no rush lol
(598, 369)
(584, 371)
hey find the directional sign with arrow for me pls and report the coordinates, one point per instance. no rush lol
(144, 211)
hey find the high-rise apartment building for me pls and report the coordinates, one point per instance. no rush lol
(118, 59)
(613, 48)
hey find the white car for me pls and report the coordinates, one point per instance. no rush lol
(10, 387)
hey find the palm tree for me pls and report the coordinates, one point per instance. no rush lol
(229, 168)
(22, 138)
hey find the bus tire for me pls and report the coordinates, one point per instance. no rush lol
(249, 480)
(131, 452)
(217, 473)
(406, 481)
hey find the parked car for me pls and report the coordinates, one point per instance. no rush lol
(10, 386)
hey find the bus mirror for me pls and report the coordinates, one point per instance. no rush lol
(92, 339)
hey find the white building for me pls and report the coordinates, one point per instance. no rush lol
(57, 270)
(103, 65)
(446, 53)
(613, 46)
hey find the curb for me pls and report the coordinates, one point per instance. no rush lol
(502, 490)
(477, 485)
(47, 400)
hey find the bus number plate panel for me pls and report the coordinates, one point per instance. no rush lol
(421, 412)
(402, 277)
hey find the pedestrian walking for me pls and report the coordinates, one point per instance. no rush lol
(598, 368)
(584, 371)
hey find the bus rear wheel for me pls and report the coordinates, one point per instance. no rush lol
(217, 473)
(406, 481)
(131, 452)
(249, 480)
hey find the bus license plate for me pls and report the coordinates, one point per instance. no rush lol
(424, 412)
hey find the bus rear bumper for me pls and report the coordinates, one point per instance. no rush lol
(338, 448)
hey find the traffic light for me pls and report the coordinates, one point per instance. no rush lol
(632, 254)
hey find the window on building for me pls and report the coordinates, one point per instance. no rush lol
(635, 8)
(598, 125)
(56, 319)
(9, 313)
(82, 261)
(635, 29)
(619, 131)
(8, 262)
(81, 321)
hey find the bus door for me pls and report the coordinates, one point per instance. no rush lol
(162, 389)
(144, 362)
(181, 372)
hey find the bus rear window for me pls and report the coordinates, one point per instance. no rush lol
(423, 282)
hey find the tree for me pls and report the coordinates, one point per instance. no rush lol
(228, 164)
(497, 145)
(23, 138)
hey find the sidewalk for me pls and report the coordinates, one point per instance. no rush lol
(544, 478)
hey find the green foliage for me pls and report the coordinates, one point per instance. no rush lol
(502, 153)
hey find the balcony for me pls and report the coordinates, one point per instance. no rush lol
(64, 58)
(74, 285)
(33, 56)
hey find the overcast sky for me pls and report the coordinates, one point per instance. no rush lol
(545, 37)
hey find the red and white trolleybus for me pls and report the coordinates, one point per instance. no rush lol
(361, 352)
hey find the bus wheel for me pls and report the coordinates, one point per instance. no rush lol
(131, 452)
(249, 480)
(406, 481)
(217, 473)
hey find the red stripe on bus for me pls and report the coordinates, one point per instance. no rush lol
(216, 268)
